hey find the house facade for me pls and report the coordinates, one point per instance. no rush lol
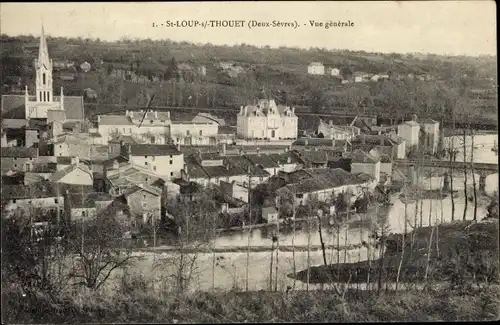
(410, 132)
(144, 203)
(165, 160)
(362, 162)
(18, 158)
(266, 120)
(337, 132)
(316, 68)
(78, 173)
(431, 134)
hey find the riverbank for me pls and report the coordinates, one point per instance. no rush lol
(139, 305)
(458, 243)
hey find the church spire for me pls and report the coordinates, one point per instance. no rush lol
(43, 51)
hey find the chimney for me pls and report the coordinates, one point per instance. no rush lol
(77, 160)
(168, 115)
(224, 149)
(178, 145)
(293, 110)
(414, 117)
(363, 138)
(333, 143)
(330, 123)
(306, 142)
(241, 109)
(382, 141)
(289, 160)
(199, 154)
(126, 112)
(156, 114)
(258, 151)
(98, 118)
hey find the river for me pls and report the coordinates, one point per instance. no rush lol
(230, 268)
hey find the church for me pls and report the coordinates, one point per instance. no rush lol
(43, 104)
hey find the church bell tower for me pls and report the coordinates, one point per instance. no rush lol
(43, 66)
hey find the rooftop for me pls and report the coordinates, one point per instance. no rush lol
(18, 152)
(13, 106)
(154, 150)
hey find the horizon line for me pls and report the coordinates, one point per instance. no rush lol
(127, 38)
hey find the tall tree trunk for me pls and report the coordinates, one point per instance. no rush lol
(465, 176)
(403, 240)
(271, 268)
(293, 245)
(277, 252)
(474, 189)
(308, 248)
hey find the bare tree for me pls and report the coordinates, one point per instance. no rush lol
(98, 254)
(34, 254)
(193, 227)
(464, 143)
(474, 184)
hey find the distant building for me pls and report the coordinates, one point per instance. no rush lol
(316, 68)
(18, 158)
(266, 120)
(79, 173)
(270, 214)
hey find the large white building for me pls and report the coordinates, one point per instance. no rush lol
(266, 120)
(431, 134)
(44, 103)
(338, 132)
(410, 132)
(157, 128)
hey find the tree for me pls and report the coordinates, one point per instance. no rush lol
(193, 225)
(33, 258)
(96, 243)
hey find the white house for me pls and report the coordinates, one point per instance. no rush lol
(165, 160)
(362, 162)
(335, 72)
(337, 132)
(431, 131)
(410, 131)
(316, 68)
(266, 120)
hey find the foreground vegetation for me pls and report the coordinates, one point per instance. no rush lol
(140, 305)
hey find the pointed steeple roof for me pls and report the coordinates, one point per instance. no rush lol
(43, 51)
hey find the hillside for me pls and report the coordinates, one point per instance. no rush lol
(273, 72)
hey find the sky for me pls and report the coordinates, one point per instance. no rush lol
(440, 27)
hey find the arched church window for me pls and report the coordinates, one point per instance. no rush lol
(44, 79)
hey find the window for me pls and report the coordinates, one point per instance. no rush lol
(187, 132)
(170, 156)
(154, 168)
(144, 196)
(14, 201)
(171, 162)
(44, 79)
(146, 163)
(201, 133)
(153, 158)
(146, 157)
(28, 167)
(15, 165)
(171, 173)
(56, 201)
(147, 179)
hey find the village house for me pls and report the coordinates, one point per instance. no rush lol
(72, 145)
(410, 132)
(312, 158)
(208, 118)
(288, 161)
(338, 132)
(144, 203)
(324, 184)
(266, 120)
(206, 169)
(119, 178)
(430, 128)
(388, 144)
(115, 145)
(362, 162)
(316, 68)
(234, 190)
(18, 158)
(306, 143)
(332, 71)
(157, 128)
(165, 160)
(85, 206)
(79, 173)
(270, 214)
